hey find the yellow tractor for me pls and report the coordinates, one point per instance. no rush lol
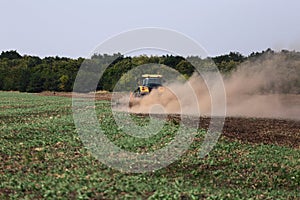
(149, 82)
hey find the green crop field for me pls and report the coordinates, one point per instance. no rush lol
(41, 156)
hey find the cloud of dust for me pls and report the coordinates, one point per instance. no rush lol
(264, 87)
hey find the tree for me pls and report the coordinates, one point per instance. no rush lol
(63, 81)
(35, 83)
(10, 55)
(185, 68)
(23, 79)
(33, 74)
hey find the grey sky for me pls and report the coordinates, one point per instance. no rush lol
(75, 28)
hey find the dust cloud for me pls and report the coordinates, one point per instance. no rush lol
(266, 87)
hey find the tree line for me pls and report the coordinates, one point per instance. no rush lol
(34, 74)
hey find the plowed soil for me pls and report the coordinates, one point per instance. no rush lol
(257, 130)
(251, 130)
(99, 96)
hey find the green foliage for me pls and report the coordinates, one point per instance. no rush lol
(10, 55)
(42, 157)
(227, 63)
(33, 74)
(64, 79)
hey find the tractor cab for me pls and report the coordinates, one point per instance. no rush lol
(152, 81)
(149, 82)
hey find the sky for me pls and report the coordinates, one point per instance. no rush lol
(73, 28)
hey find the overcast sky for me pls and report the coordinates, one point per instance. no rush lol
(74, 28)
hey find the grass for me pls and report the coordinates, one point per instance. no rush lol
(41, 156)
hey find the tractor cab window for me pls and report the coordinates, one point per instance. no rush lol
(152, 81)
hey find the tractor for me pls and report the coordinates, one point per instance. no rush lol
(149, 82)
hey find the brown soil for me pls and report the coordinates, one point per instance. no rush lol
(252, 130)
(257, 130)
(99, 96)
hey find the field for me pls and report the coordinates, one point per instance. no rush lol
(41, 156)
